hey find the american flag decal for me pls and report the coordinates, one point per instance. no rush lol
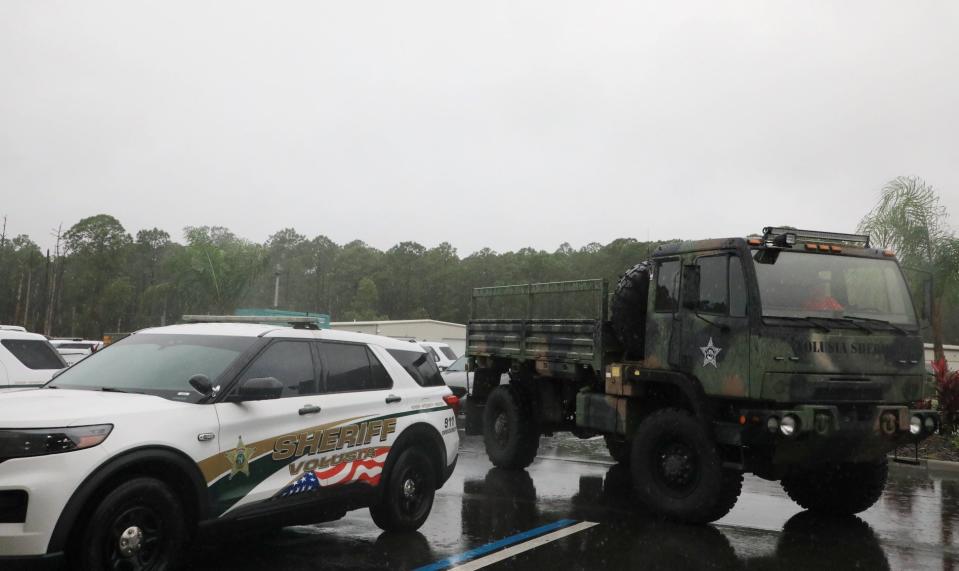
(366, 471)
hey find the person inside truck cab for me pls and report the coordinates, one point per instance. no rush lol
(819, 299)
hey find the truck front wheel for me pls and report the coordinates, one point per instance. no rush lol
(837, 489)
(510, 431)
(677, 469)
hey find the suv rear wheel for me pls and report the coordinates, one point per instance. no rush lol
(408, 497)
(139, 525)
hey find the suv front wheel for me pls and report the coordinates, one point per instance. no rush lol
(138, 525)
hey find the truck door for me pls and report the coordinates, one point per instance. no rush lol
(663, 332)
(714, 345)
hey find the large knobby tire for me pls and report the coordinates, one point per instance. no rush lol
(837, 489)
(408, 497)
(619, 448)
(677, 469)
(628, 309)
(510, 432)
(139, 525)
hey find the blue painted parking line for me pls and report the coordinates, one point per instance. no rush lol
(490, 547)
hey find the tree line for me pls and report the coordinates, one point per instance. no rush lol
(98, 278)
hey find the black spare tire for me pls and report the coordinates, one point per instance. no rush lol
(628, 309)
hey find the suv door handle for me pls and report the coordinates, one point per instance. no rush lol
(392, 399)
(309, 409)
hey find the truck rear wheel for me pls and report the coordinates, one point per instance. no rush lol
(510, 431)
(677, 469)
(618, 447)
(837, 489)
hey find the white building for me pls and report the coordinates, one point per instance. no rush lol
(453, 334)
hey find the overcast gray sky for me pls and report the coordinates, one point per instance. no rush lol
(494, 123)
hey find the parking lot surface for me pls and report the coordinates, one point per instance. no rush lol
(572, 510)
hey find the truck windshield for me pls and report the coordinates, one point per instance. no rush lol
(158, 364)
(804, 285)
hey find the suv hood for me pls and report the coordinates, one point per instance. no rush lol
(51, 408)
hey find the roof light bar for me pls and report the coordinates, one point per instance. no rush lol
(770, 234)
(295, 321)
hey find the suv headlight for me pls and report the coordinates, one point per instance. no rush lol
(22, 443)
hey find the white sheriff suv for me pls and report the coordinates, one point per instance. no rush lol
(123, 458)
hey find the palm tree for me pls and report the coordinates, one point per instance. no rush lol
(910, 220)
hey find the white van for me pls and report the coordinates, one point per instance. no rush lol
(26, 359)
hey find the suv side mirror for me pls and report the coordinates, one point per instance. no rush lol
(691, 277)
(263, 388)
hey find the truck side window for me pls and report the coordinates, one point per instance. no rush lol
(667, 286)
(291, 363)
(737, 288)
(713, 287)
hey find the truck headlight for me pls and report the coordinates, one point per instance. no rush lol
(23, 443)
(789, 425)
(930, 424)
(915, 425)
(772, 425)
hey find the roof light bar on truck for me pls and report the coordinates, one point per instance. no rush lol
(780, 236)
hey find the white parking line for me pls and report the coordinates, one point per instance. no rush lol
(526, 546)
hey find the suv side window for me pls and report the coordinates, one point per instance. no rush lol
(420, 366)
(352, 367)
(667, 286)
(34, 354)
(291, 363)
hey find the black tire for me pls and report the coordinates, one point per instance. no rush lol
(139, 525)
(510, 432)
(628, 309)
(677, 469)
(408, 497)
(619, 448)
(837, 489)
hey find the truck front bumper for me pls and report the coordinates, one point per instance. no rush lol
(826, 433)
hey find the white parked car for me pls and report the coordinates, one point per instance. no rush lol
(121, 458)
(74, 350)
(26, 360)
(443, 355)
(459, 379)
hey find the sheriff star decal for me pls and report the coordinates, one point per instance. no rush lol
(710, 352)
(239, 458)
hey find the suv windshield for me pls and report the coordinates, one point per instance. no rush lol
(801, 285)
(155, 364)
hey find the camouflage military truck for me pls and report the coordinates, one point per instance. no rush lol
(794, 355)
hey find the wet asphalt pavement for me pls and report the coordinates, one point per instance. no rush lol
(914, 526)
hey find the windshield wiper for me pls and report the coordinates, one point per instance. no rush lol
(112, 390)
(881, 321)
(796, 318)
(844, 319)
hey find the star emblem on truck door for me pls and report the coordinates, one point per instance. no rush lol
(710, 352)
(239, 458)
